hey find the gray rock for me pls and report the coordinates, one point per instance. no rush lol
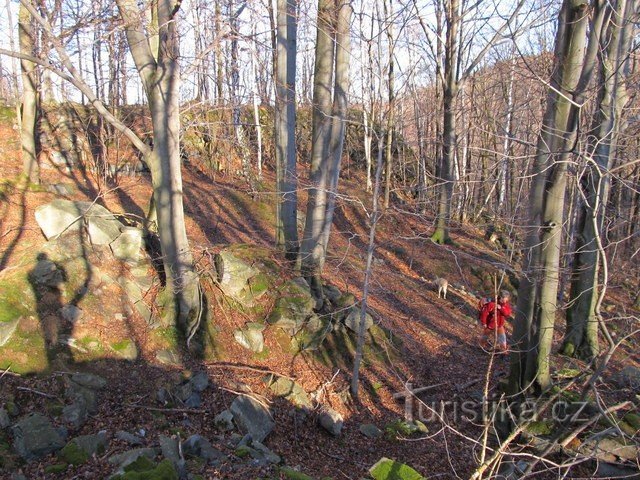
(331, 421)
(234, 277)
(259, 453)
(168, 357)
(34, 437)
(251, 337)
(170, 447)
(65, 216)
(5, 421)
(332, 293)
(46, 273)
(130, 438)
(224, 421)
(252, 417)
(293, 308)
(353, 320)
(77, 413)
(128, 244)
(199, 381)
(89, 380)
(76, 390)
(7, 329)
(610, 450)
(284, 387)
(369, 430)
(64, 189)
(92, 444)
(182, 391)
(127, 458)
(198, 446)
(194, 400)
(71, 313)
(126, 350)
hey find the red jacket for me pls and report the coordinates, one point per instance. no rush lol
(489, 313)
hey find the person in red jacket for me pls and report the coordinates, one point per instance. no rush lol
(493, 316)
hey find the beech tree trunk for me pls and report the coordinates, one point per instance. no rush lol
(155, 54)
(29, 113)
(581, 337)
(285, 123)
(537, 295)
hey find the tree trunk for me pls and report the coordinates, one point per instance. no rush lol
(581, 338)
(537, 295)
(285, 124)
(388, 153)
(450, 91)
(28, 140)
(160, 76)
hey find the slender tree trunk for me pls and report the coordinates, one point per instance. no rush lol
(160, 75)
(388, 153)
(450, 92)
(581, 338)
(537, 295)
(285, 123)
(28, 138)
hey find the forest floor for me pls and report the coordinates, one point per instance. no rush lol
(439, 337)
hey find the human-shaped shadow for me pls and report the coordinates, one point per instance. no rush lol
(47, 279)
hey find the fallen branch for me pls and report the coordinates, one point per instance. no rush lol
(246, 367)
(167, 410)
(37, 392)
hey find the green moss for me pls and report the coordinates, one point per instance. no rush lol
(73, 454)
(387, 469)
(242, 451)
(544, 427)
(121, 345)
(633, 419)
(292, 474)
(400, 428)
(263, 355)
(147, 470)
(57, 468)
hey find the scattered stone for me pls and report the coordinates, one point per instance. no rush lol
(34, 437)
(610, 450)
(224, 421)
(259, 453)
(170, 447)
(251, 337)
(198, 446)
(199, 381)
(252, 417)
(89, 380)
(183, 391)
(128, 244)
(162, 395)
(194, 400)
(95, 444)
(126, 458)
(293, 474)
(130, 438)
(77, 413)
(7, 329)
(369, 430)
(332, 293)
(331, 421)
(284, 387)
(353, 320)
(5, 421)
(387, 469)
(168, 357)
(71, 313)
(76, 390)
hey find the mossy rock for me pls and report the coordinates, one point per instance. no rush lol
(125, 349)
(292, 474)
(540, 428)
(145, 469)
(56, 468)
(633, 419)
(73, 454)
(387, 469)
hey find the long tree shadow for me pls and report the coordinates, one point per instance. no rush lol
(19, 229)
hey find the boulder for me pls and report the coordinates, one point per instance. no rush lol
(251, 337)
(7, 329)
(5, 421)
(331, 421)
(293, 307)
(284, 387)
(76, 413)
(92, 444)
(198, 446)
(239, 280)
(128, 244)
(34, 437)
(387, 469)
(369, 430)
(125, 349)
(62, 216)
(224, 421)
(127, 458)
(252, 417)
(129, 438)
(199, 381)
(353, 320)
(170, 447)
(89, 380)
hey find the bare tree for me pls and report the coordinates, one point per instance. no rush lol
(28, 140)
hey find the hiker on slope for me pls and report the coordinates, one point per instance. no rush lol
(493, 316)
